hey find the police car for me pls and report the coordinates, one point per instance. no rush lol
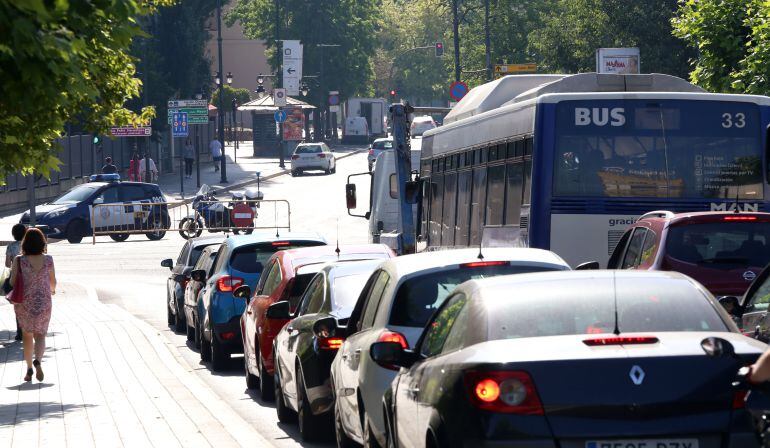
(137, 206)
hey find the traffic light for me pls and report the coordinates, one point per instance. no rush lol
(393, 93)
(97, 140)
(439, 49)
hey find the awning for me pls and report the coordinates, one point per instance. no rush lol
(267, 104)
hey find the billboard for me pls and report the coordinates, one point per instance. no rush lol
(619, 61)
(294, 124)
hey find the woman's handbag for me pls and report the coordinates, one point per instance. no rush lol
(17, 292)
(5, 282)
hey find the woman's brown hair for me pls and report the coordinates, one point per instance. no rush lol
(34, 242)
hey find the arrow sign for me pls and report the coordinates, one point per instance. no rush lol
(290, 70)
(280, 116)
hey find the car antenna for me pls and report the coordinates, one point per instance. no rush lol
(616, 331)
(337, 250)
(275, 219)
(480, 256)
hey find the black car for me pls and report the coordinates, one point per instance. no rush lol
(112, 206)
(180, 275)
(304, 348)
(571, 359)
(198, 276)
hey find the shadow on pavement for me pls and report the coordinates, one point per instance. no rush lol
(10, 415)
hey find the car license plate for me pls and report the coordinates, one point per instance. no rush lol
(644, 443)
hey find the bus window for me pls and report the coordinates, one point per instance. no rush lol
(450, 206)
(463, 211)
(425, 208)
(526, 199)
(495, 195)
(519, 148)
(479, 196)
(437, 189)
(514, 189)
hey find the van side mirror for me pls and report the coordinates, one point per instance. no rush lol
(279, 310)
(167, 263)
(199, 275)
(588, 266)
(350, 196)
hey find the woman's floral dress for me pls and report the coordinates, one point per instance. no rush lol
(34, 312)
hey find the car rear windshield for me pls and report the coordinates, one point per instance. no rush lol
(721, 245)
(418, 297)
(387, 144)
(587, 306)
(313, 149)
(252, 259)
(346, 290)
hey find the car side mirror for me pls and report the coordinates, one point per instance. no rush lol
(167, 263)
(242, 292)
(717, 347)
(279, 310)
(588, 266)
(350, 196)
(199, 275)
(325, 328)
(179, 278)
(391, 355)
(731, 305)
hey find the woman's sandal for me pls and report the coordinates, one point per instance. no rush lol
(38, 370)
(28, 376)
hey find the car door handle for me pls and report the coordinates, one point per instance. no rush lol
(344, 356)
(413, 391)
(289, 329)
(248, 312)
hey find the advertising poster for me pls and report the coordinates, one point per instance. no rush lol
(618, 61)
(294, 124)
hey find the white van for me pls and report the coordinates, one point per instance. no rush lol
(383, 217)
(421, 124)
(373, 110)
(355, 130)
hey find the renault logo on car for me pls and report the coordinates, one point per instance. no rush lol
(637, 375)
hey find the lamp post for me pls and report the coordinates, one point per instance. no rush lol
(221, 106)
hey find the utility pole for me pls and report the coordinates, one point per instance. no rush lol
(220, 112)
(487, 42)
(456, 31)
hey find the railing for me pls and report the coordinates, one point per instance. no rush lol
(154, 219)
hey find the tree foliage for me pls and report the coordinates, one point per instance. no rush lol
(732, 38)
(241, 96)
(60, 61)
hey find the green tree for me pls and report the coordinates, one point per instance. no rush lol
(241, 96)
(574, 29)
(64, 61)
(732, 38)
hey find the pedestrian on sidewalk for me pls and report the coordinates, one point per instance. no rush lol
(108, 167)
(34, 312)
(216, 152)
(189, 157)
(147, 160)
(14, 249)
(133, 168)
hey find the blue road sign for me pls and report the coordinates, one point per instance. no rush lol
(179, 124)
(457, 90)
(280, 116)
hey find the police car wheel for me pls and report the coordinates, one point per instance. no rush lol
(119, 237)
(76, 230)
(158, 230)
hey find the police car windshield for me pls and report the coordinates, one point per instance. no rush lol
(77, 194)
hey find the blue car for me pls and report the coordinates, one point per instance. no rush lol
(70, 215)
(240, 261)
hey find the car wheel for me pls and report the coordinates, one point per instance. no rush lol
(179, 322)
(219, 355)
(266, 387)
(76, 231)
(371, 165)
(390, 441)
(369, 440)
(119, 237)
(157, 228)
(343, 441)
(293, 173)
(328, 170)
(169, 315)
(198, 335)
(205, 347)
(334, 169)
(190, 333)
(251, 380)
(285, 415)
(309, 424)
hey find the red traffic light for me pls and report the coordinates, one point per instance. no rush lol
(439, 49)
(392, 93)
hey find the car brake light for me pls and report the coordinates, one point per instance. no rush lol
(620, 340)
(281, 243)
(228, 335)
(228, 283)
(740, 218)
(481, 264)
(394, 336)
(739, 399)
(294, 157)
(371, 152)
(333, 343)
(510, 392)
(322, 155)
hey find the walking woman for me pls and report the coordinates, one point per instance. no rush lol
(189, 158)
(14, 249)
(34, 312)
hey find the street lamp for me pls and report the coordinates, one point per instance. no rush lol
(304, 89)
(229, 78)
(217, 79)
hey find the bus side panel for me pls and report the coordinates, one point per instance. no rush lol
(764, 117)
(542, 177)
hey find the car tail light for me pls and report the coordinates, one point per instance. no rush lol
(621, 340)
(281, 243)
(739, 399)
(739, 218)
(228, 283)
(322, 156)
(394, 336)
(228, 335)
(481, 264)
(333, 343)
(184, 282)
(510, 392)
(294, 157)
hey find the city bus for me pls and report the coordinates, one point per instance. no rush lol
(567, 162)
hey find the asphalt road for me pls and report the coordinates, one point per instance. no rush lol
(129, 274)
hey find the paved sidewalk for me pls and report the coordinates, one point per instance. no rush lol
(110, 380)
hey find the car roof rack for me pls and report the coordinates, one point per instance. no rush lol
(657, 214)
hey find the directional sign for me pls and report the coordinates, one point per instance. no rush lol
(292, 66)
(195, 115)
(179, 125)
(130, 131)
(174, 104)
(457, 90)
(280, 116)
(505, 69)
(279, 96)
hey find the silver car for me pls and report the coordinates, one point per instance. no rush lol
(378, 147)
(313, 156)
(396, 303)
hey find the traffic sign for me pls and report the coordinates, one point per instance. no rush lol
(280, 116)
(279, 96)
(292, 66)
(242, 215)
(505, 69)
(130, 131)
(334, 98)
(179, 125)
(195, 115)
(457, 90)
(173, 104)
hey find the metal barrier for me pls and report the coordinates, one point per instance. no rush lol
(154, 219)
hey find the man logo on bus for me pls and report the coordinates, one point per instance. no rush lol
(600, 116)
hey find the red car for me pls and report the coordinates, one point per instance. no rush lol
(285, 277)
(724, 251)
